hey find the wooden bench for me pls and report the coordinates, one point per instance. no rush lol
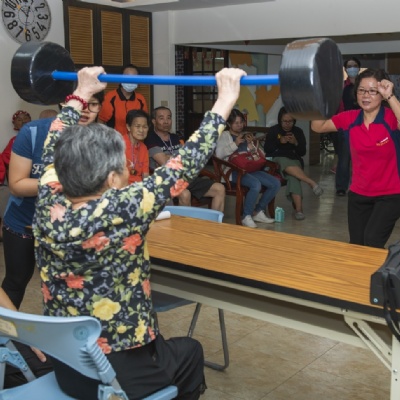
(314, 285)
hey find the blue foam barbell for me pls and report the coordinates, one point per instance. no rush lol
(181, 80)
(310, 76)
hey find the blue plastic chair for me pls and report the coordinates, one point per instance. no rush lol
(164, 302)
(71, 340)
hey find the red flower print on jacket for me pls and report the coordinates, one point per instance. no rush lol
(46, 293)
(73, 281)
(146, 288)
(97, 242)
(131, 242)
(57, 212)
(179, 187)
(174, 163)
(103, 344)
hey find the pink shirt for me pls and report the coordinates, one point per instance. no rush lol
(374, 155)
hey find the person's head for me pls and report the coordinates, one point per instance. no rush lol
(130, 69)
(137, 123)
(366, 88)
(90, 159)
(20, 118)
(48, 113)
(352, 67)
(90, 114)
(285, 120)
(236, 121)
(162, 119)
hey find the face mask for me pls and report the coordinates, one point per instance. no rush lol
(129, 87)
(352, 72)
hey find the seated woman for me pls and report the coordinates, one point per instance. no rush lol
(91, 248)
(286, 143)
(231, 141)
(137, 155)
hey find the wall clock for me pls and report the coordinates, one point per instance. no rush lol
(26, 20)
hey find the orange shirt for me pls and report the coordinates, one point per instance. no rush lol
(115, 107)
(137, 158)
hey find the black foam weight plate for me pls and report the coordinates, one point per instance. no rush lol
(311, 78)
(31, 69)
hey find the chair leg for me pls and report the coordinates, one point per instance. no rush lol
(215, 366)
(271, 208)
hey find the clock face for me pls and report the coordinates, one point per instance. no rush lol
(26, 20)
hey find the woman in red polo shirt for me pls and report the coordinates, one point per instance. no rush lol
(374, 139)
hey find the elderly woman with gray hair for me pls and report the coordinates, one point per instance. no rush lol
(91, 229)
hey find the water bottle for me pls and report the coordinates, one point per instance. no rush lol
(279, 214)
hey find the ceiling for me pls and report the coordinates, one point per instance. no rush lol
(174, 5)
(368, 45)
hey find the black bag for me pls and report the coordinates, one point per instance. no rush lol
(385, 288)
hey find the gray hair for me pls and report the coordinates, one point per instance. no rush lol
(85, 155)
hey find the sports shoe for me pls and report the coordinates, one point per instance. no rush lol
(261, 217)
(248, 221)
(317, 190)
(299, 216)
(340, 193)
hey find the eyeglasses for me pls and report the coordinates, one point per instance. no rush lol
(371, 92)
(287, 121)
(94, 107)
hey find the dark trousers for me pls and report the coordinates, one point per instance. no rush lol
(19, 258)
(372, 219)
(342, 176)
(144, 370)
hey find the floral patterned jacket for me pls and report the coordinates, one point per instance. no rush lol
(94, 260)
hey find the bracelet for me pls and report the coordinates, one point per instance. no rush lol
(74, 97)
(390, 97)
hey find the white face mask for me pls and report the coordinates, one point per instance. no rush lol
(129, 87)
(352, 72)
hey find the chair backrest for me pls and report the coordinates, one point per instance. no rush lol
(195, 212)
(72, 340)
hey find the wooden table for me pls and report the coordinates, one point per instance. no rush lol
(314, 285)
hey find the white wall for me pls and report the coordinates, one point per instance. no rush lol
(10, 102)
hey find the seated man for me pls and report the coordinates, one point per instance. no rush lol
(163, 145)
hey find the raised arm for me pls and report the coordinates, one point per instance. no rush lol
(323, 126)
(385, 88)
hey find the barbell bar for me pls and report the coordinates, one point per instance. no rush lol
(310, 76)
(181, 80)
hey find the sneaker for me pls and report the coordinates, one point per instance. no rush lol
(340, 193)
(299, 216)
(317, 190)
(248, 221)
(261, 217)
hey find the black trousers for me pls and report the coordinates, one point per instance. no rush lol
(372, 219)
(145, 370)
(19, 258)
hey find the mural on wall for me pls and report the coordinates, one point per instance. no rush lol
(255, 101)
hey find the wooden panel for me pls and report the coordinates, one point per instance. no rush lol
(112, 38)
(145, 91)
(139, 40)
(80, 24)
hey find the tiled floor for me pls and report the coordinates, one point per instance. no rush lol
(269, 362)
